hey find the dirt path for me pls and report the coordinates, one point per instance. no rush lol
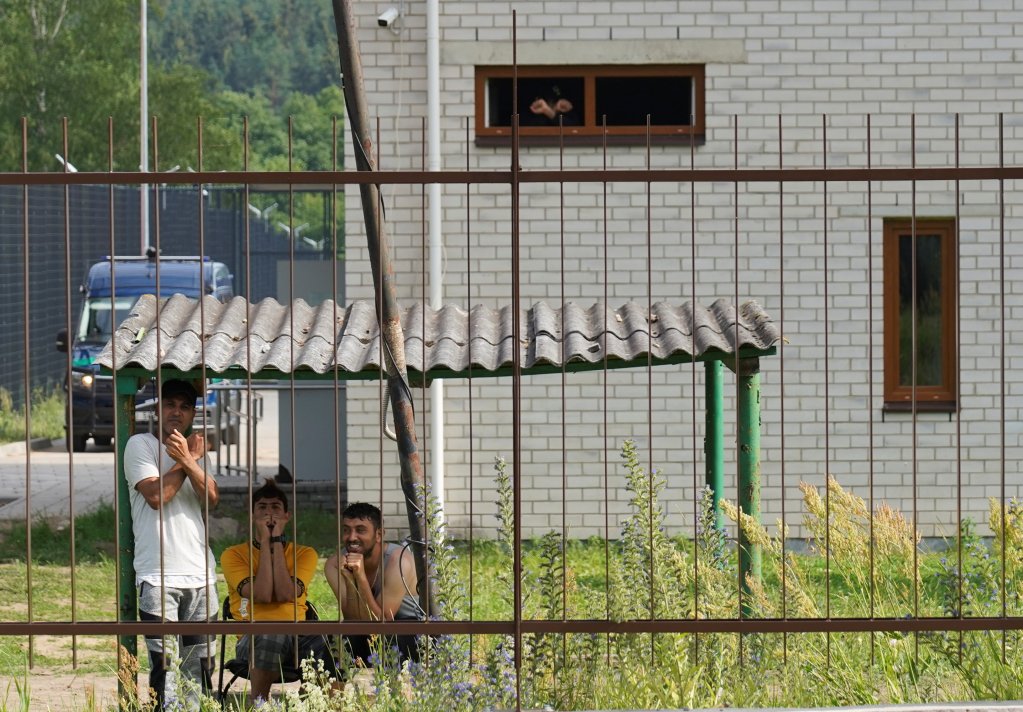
(59, 693)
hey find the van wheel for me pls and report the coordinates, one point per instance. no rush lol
(77, 444)
(103, 442)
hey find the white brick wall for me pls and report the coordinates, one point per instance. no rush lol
(892, 59)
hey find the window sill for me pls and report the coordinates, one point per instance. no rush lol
(549, 141)
(921, 407)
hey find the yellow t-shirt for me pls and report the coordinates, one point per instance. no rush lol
(235, 563)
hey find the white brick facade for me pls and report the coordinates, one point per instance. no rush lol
(801, 60)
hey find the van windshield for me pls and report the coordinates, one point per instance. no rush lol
(96, 324)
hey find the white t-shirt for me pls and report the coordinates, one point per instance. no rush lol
(184, 531)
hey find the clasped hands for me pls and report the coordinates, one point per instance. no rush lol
(184, 449)
(540, 106)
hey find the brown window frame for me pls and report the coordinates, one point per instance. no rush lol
(590, 131)
(937, 398)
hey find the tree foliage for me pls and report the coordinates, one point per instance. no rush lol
(211, 61)
(272, 47)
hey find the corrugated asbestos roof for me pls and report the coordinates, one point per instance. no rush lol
(236, 332)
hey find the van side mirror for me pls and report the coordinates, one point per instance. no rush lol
(62, 341)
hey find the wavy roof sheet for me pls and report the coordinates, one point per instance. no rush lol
(267, 336)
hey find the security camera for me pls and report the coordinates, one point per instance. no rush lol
(388, 17)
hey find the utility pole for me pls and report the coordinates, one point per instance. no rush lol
(144, 124)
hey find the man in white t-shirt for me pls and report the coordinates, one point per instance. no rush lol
(175, 571)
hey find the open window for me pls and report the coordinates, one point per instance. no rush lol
(927, 301)
(581, 98)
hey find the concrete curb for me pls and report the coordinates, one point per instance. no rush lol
(18, 448)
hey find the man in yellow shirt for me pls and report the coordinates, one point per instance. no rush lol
(267, 580)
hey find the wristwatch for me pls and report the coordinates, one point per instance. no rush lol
(277, 539)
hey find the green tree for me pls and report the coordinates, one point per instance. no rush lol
(271, 47)
(312, 121)
(60, 58)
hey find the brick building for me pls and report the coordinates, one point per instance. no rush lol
(747, 84)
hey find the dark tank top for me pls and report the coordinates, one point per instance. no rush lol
(409, 609)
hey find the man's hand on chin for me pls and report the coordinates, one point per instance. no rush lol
(353, 563)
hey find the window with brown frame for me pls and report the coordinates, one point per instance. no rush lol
(924, 296)
(582, 97)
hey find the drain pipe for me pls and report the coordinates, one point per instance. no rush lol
(436, 238)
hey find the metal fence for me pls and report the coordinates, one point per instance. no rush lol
(95, 213)
(774, 217)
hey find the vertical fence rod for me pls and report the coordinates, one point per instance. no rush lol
(159, 386)
(781, 387)
(692, 331)
(28, 388)
(1001, 371)
(378, 210)
(736, 368)
(113, 370)
(650, 395)
(604, 400)
(335, 346)
(827, 395)
(291, 381)
(564, 385)
(914, 351)
(870, 386)
(70, 431)
(472, 464)
(251, 444)
(436, 420)
(959, 406)
(650, 398)
(516, 296)
(211, 605)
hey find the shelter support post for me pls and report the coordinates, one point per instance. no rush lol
(749, 467)
(125, 388)
(714, 437)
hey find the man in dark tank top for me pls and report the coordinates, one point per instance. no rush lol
(373, 581)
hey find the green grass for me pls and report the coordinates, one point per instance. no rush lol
(47, 415)
(808, 680)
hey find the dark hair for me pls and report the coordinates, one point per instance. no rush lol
(270, 490)
(178, 387)
(363, 510)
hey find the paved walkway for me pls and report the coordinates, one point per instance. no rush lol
(43, 479)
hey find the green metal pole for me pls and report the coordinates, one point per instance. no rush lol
(714, 438)
(127, 606)
(749, 467)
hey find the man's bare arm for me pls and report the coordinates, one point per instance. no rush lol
(284, 584)
(150, 488)
(343, 585)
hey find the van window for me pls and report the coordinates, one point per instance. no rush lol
(96, 323)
